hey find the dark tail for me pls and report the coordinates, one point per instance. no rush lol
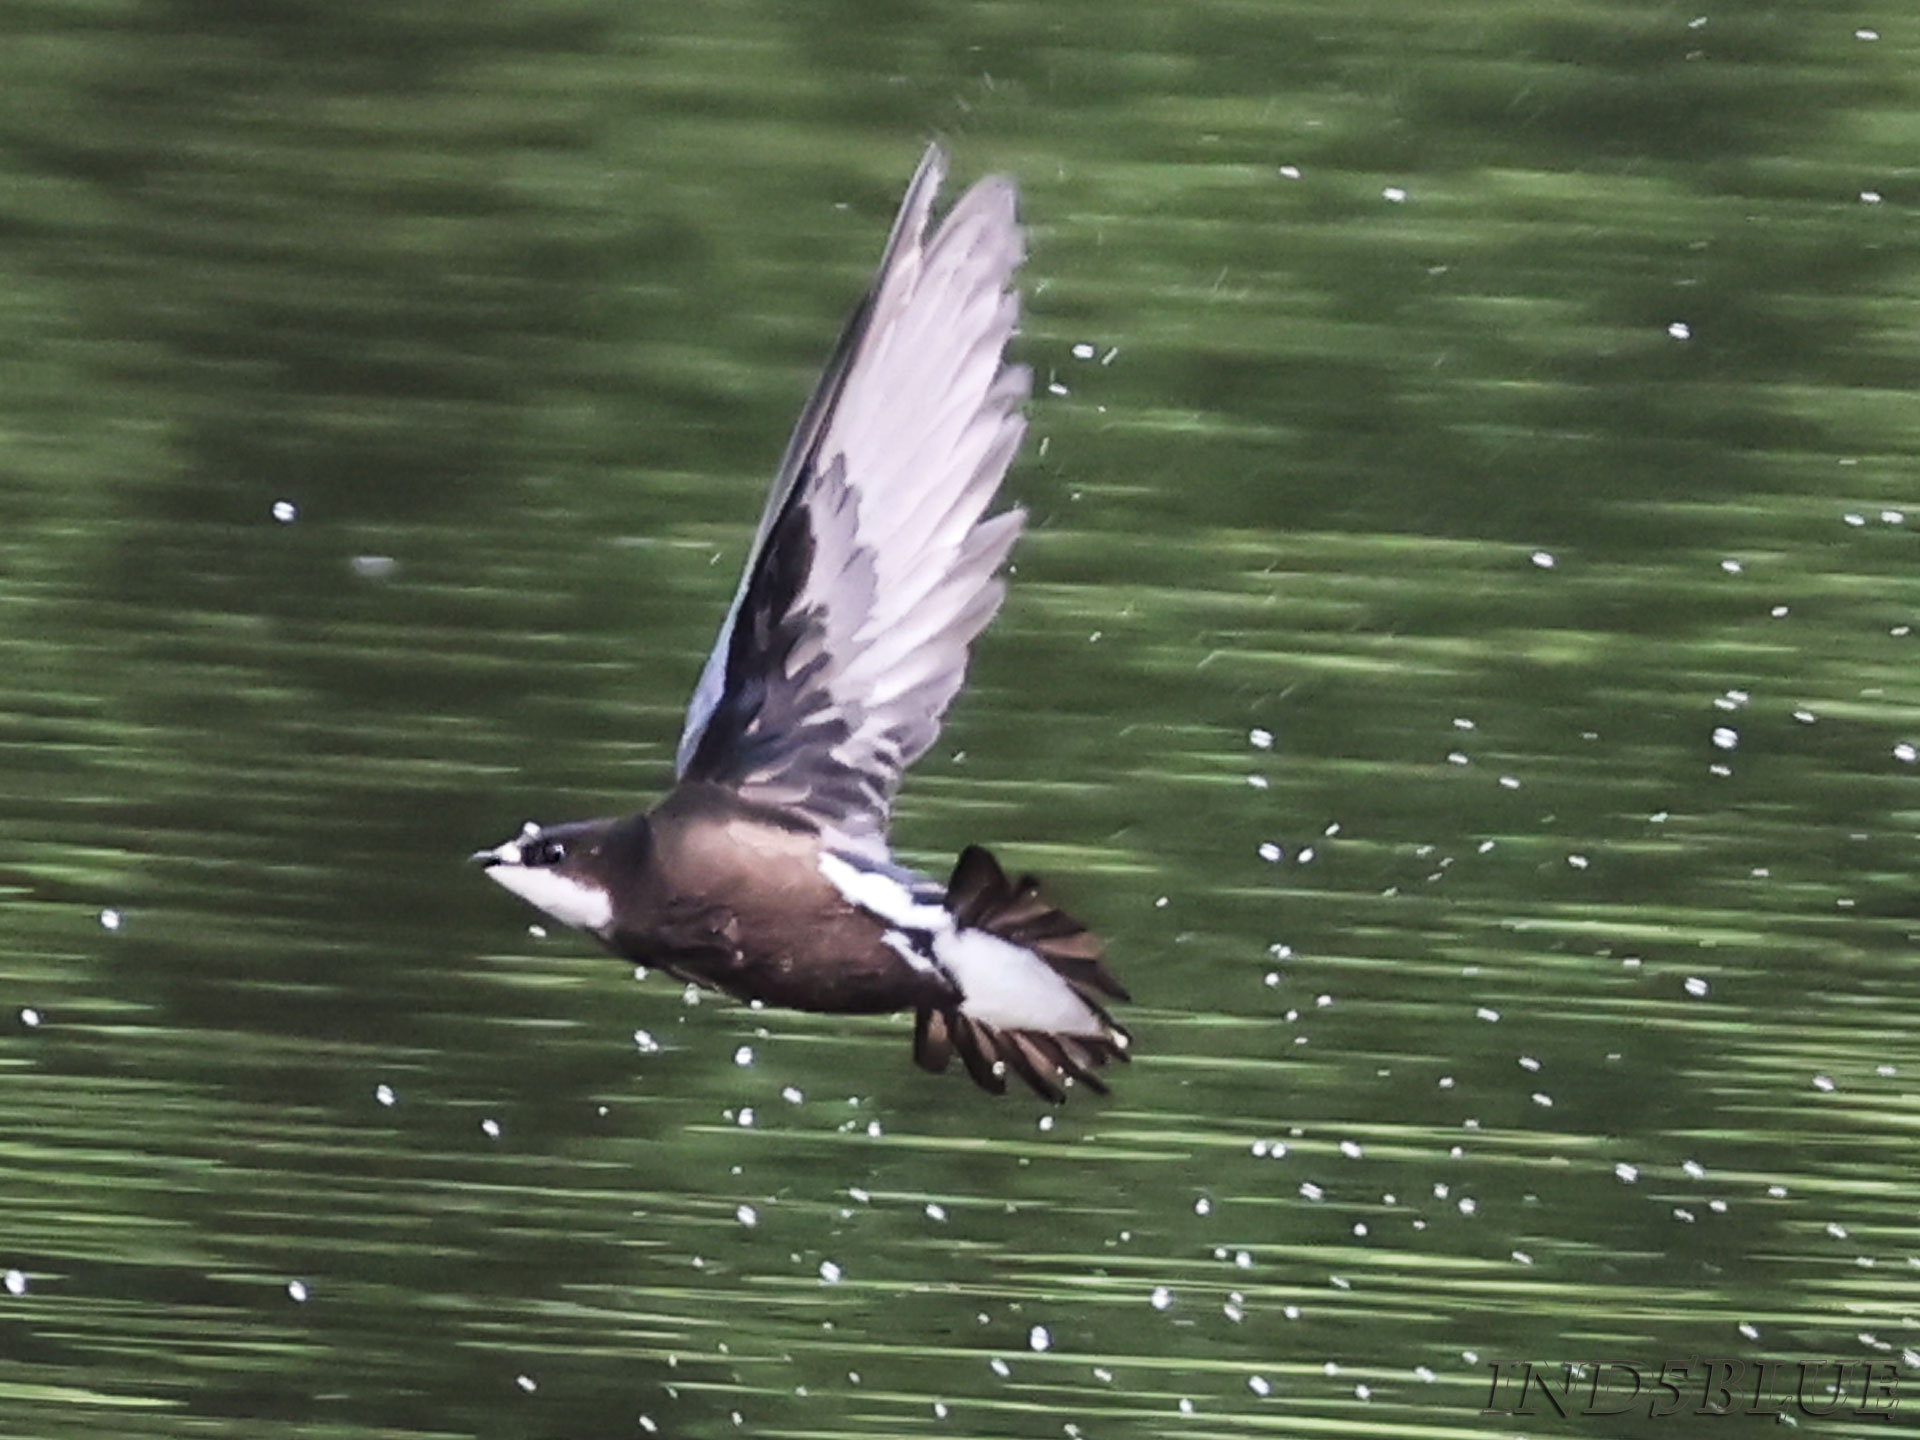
(981, 897)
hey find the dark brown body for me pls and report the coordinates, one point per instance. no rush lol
(730, 895)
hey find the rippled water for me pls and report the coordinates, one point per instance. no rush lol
(1462, 659)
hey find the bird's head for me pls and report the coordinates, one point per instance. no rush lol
(564, 870)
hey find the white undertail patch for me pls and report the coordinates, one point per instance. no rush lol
(1009, 987)
(1002, 984)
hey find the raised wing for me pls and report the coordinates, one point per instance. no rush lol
(875, 563)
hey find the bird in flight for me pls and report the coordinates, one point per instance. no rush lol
(766, 872)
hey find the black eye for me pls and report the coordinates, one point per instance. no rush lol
(543, 852)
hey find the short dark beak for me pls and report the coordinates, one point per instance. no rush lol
(485, 859)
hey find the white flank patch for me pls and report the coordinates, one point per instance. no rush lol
(902, 945)
(1010, 988)
(585, 907)
(882, 895)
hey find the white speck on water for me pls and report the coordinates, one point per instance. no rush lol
(936, 1211)
(1291, 1312)
(1394, 195)
(285, 511)
(1732, 567)
(939, 1409)
(1854, 518)
(539, 932)
(645, 1041)
(1748, 1330)
(1038, 1339)
(1161, 1298)
(1543, 559)
(1893, 517)
(690, 995)
(745, 1118)
(1260, 739)
(1305, 857)
(1696, 987)
(1270, 852)
(1509, 782)
(1054, 387)
(1542, 1099)
(29, 1016)
(1458, 757)
(1680, 330)
(526, 1383)
(490, 1128)
(15, 1281)
(829, 1272)
(1779, 612)
(647, 1424)
(1866, 34)
(1258, 1384)
(1446, 1082)
(1905, 752)
(1836, 1230)
(1242, 1260)
(1351, 1149)
(1527, 1062)
(297, 1291)
(792, 1094)
(1290, 172)
(1203, 1206)
(743, 1056)
(1468, 1205)
(1725, 737)
(1823, 1083)
(374, 567)
(747, 1216)
(1578, 862)
(1492, 1017)
(1000, 1367)
(109, 919)
(1310, 1191)
(384, 1094)
(1258, 782)
(1870, 197)
(1083, 351)
(1693, 1169)
(1625, 1173)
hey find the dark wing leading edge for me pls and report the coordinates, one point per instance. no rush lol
(875, 564)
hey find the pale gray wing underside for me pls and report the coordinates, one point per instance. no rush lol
(875, 564)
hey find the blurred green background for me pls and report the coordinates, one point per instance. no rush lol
(1462, 658)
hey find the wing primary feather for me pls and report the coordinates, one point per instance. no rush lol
(876, 563)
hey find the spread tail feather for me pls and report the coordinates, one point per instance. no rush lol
(1029, 975)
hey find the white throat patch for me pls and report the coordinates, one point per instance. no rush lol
(585, 907)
